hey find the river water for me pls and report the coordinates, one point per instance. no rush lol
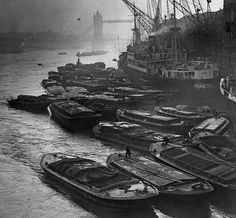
(25, 137)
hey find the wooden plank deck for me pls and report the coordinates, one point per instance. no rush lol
(222, 171)
(152, 171)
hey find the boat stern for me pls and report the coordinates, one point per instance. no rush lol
(131, 192)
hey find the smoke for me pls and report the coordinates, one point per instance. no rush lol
(56, 15)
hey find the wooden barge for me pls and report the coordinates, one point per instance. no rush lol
(195, 115)
(35, 104)
(129, 134)
(97, 182)
(218, 147)
(196, 163)
(154, 121)
(214, 125)
(169, 181)
(73, 115)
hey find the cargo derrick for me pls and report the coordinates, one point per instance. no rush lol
(148, 23)
(200, 34)
(145, 20)
(198, 31)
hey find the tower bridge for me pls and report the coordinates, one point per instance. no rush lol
(98, 25)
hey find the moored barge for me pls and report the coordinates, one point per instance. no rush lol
(194, 115)
(97, 182)
(196, 163)
(169, 181)
(214, 125)
(31, 103)
(129, 134)
(218, 147)
(153, 121)
(73, 115)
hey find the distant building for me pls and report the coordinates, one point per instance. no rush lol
(98, 26)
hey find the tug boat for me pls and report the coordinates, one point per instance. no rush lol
(31, 103)
(215, 125)
(129, 134)
(169, 181)
(73, 115)
(196, 163)
(91, 53)
(97, 182)
(154, 121)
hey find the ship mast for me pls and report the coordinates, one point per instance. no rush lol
(175, 29)
(175, 34)
(136, 31)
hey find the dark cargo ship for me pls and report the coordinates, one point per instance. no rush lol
(191, 67)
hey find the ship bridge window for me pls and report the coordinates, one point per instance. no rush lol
(215, 73)
(142, 65)
(131, 61)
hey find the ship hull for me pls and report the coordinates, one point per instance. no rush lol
(82, 122)
(193, 88)
(232, 109)
(231, 105)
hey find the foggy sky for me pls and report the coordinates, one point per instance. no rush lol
(61, 15)
(57, 15)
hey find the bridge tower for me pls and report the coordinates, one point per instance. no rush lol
(97, 28)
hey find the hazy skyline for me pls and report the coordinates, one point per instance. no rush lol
(61, 15)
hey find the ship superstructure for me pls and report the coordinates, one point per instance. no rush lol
(162, 58)
(228, 83)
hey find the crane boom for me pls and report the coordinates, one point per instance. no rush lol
(145, 20)
(149, 13)
(198, 8)
(188, 13)
(168, 9)
(185, 4)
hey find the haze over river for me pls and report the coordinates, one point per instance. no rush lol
(24, 137)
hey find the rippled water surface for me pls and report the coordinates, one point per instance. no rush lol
(25, 137)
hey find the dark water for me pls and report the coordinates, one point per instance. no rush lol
(25, 137)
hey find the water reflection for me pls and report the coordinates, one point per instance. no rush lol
(222, 202)
(25, 137)
(96, 209)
